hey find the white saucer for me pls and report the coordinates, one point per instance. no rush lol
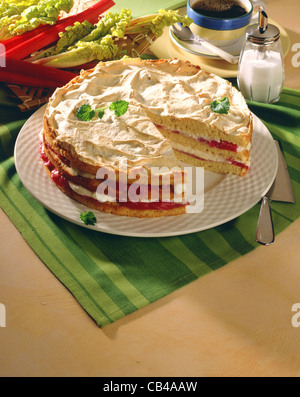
(198, 49)
(165, 47)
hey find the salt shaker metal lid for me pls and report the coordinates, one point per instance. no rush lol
(262, 33)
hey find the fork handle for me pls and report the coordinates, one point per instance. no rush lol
(265, 230)
(217, 51)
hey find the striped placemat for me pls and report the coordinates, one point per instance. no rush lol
(112, 276)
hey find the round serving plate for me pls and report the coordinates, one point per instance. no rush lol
(225, 197)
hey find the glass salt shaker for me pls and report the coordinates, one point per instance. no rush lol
(261, 65)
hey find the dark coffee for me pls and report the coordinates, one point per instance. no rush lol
(219, 8)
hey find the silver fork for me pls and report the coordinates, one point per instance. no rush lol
(185, 34)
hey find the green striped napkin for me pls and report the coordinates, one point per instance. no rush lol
(112, 276)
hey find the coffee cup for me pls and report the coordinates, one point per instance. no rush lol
(222, 22)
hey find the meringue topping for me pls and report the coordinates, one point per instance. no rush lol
(168, 88)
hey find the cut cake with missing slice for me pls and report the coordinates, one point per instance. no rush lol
(170, 119)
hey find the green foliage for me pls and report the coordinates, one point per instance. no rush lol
(221, 106)
(88, 218)
(85, 112)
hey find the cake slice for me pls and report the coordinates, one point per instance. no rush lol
(206, 119)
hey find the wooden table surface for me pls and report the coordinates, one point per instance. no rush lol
(236, 321)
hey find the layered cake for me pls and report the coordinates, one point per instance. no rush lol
(132, 121)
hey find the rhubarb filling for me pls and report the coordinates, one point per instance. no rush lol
(220, 144)
(229, 160)
(62, 158)
(63, 182)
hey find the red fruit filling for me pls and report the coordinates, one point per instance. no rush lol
(61, 181)
(233, 162)
(223, 145)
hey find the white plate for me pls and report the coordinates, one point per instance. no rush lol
(225, 198)
(198, 49)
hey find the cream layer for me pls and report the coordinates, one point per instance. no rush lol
(104, 198)
(204, 155)
(204, 139)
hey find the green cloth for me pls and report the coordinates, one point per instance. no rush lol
(112, 276)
